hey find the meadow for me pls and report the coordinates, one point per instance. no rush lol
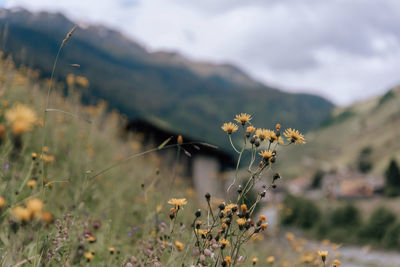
(77, 190)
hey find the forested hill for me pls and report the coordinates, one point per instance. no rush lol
(192, 97)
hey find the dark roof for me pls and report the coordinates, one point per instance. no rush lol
(159, 131)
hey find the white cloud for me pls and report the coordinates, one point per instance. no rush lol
(345, 50)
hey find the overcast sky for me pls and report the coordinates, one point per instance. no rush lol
(345, 50)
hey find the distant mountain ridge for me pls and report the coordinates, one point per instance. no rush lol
(371, 125)
(193, 97)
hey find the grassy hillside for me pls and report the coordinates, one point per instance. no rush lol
(368, 125)
(62, 205)
(190, 96)
(70, 203)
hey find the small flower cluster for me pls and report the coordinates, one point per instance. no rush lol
(33, 209)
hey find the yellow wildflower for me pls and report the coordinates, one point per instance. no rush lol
(241, 221)
(2, 202)
(47, 217)
(250, 129)
(179, 245)
(336, 263)
(224, 243)
(82, 81)
(323, 254)
(243, 208)
(290, 236)
(294, 136)
(21, 213)
(243, 118)
(228, 259)
(35, 206)
(264, 226)
(254, 260)
(262, 134)
(266, 154)
(21, 118)
(229, 127)
(91, 239)
(272, 137)
(202, 232)
(178, 202)
(271, 259)
(111, 249)
(89, 256)
(31, 183)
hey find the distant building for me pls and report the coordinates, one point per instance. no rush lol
(350, 184)
(203, 164)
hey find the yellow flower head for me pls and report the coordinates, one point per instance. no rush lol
(179, 245)
(271, 259)
(243, 208)
(91, 239)
(336, 263)
(294, 136)
(178, 202)
(21, 118)
(47, 158)
(243, 118)
(35, 206)
(241, 221)
(262, 218)
(224, 243)
(82, 81)
(254, 260)
(323, 254)
(264, 226)
(21, 213)
(228, 259)
(250, 129)
(307, 258)
(202, 232)
(111, 249)
(272, 137)
(47, 217)
(179, 140)
(266, 154)
(290, 236)
(89, 256)
(262, 134)
(2, 202)
(229, 208)
(229, 127)
(31, 183)
(3, 131)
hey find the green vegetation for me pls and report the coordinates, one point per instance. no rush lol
(343, 223)
(74, 193)
(334, 119)
(317, 179)
(386, 97)
(365, 160)
(300, 212)
(392, 175)
(377, 225)
(346, 143)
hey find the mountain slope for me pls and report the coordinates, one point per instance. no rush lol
(192, 97)
(372, 125)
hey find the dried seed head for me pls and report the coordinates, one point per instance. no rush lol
(69, 34)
